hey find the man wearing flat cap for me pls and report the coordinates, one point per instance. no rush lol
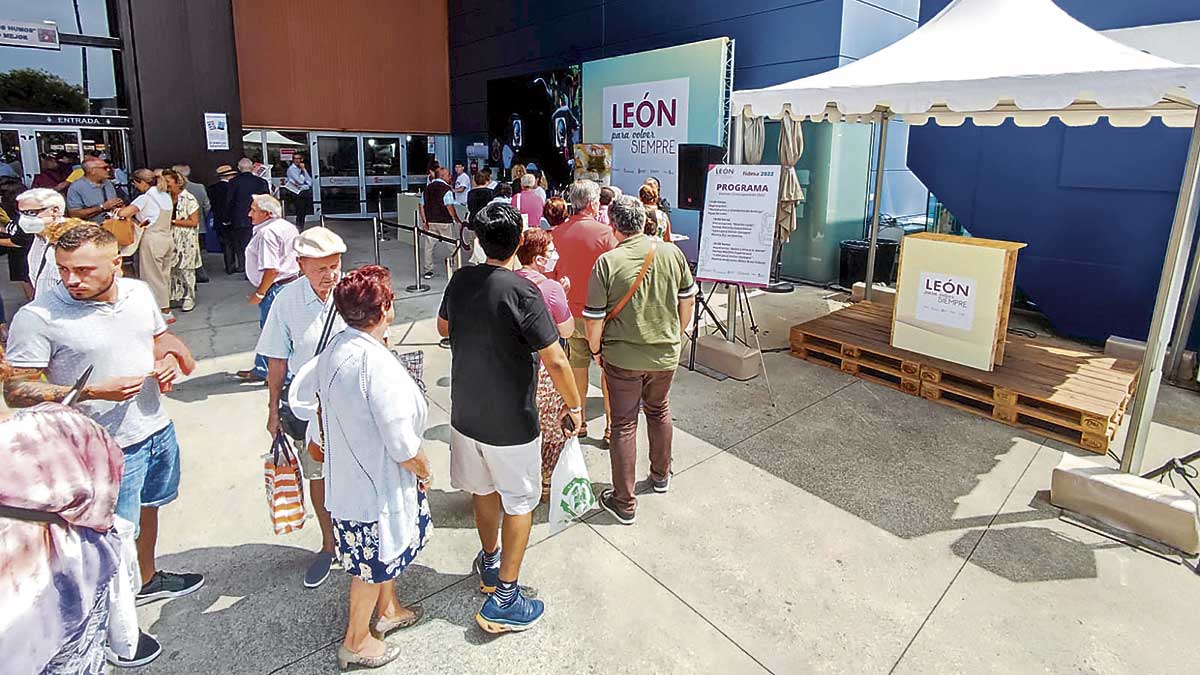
(289, 339)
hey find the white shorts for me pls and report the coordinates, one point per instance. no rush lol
(515, 471)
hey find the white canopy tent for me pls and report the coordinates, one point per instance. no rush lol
(272, 138)
(1025, 60)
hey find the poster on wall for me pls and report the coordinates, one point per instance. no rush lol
(649, 103)
(738, 231)
(216, 131)
(593, 161)
(645, 122)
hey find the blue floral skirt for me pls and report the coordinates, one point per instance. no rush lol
(358, 546)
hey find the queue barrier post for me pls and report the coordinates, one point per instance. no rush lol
(376, 233)
(417, 286)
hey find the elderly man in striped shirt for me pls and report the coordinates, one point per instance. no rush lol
(289, 339)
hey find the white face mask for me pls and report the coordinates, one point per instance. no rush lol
(550, 261)
(31, 224)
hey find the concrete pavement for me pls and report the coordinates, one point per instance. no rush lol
(847, 528)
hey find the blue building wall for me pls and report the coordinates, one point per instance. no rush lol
(776, 40)
(1094, 204)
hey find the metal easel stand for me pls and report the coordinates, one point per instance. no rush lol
(744, 296)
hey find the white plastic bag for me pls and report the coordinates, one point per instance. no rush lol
(122, 613)
(571, 493)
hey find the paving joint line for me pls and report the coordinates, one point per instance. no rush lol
(946, 591)
(680, 599)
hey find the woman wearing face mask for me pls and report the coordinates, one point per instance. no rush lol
(39, 209)
(538, 258)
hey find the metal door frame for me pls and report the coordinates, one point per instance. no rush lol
(402, 149)
(318, 206)
(27, 141)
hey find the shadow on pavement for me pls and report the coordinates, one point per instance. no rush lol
(214, 384)
(1024, 554)
(253, 614)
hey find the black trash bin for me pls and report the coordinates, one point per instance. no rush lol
(853, 266)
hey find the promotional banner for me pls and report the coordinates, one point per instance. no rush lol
(645, 105)
(645, 123)
(739, 224)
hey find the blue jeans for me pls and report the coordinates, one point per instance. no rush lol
(151, 476)
(264, 308)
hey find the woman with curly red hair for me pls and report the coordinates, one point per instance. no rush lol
(372, 419)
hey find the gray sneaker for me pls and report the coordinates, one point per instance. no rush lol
(318, 571)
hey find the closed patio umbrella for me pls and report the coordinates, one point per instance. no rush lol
(791, 147)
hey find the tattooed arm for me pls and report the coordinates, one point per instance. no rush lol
(25, 388)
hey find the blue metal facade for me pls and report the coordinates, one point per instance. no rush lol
(777, 40)
(1094, 204)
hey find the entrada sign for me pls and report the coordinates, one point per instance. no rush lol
(64, 119)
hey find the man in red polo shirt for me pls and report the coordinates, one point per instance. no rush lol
(580, 241)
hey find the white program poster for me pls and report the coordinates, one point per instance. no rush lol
(737, 233)
(645, 123)
(216, 130)
(946, 300)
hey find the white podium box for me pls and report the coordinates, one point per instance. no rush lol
(953, 296)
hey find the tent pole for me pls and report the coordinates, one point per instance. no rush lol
(1165, 306)
(876, 200)
(1183, 325)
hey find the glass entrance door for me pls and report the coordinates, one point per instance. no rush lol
(337, 170)
(383, 159)
(12, 162)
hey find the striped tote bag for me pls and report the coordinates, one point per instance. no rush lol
(285, 495)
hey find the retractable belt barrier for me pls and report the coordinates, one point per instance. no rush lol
(417, 286)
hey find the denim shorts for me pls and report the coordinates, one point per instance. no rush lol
(151, 476)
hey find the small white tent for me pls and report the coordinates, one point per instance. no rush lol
(1025, 60)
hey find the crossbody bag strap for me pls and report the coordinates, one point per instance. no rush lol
(636, 283)
(327, 329)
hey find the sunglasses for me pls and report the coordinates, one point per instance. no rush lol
(32, 212)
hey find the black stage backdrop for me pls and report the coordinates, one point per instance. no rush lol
(537, 116)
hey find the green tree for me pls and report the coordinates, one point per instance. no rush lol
(33, 90)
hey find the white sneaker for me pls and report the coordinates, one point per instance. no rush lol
(188, 305)
(169, 318)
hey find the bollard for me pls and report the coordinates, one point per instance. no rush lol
(376, 232)
(379, 214)
(417, 286)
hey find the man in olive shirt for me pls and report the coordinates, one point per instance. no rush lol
(638, 347)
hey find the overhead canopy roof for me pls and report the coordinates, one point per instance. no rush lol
(992, 60)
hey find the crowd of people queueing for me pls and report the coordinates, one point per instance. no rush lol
(524, 327)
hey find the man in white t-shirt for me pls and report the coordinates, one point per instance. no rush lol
(95, 318)
(462, 184)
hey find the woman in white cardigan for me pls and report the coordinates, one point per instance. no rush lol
(372, 418)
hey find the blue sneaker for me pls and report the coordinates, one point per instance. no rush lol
(488, 577)
(521, 615)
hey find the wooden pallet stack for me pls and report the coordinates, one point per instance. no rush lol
(1072, 395)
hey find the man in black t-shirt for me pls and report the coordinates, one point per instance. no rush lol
(498, 327)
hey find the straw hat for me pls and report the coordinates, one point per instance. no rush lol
(318, 242)
(225, 171)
